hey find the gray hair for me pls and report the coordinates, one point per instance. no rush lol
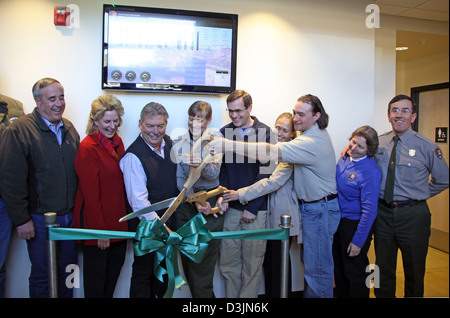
(42, 83)
(153, 109)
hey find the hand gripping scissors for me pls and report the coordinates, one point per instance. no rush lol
(173, 203)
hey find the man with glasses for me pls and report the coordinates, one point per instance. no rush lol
(403, 220)
(241, 260)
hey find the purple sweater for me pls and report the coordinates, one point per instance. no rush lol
(358, 186)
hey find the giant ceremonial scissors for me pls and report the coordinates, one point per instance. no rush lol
(173, 203)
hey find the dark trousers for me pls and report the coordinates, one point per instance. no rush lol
(272, 269)
(200, 276)
(101, 269)
(5, 237)
(350, 272)
(66, 254)
(144, 283)
(407, 229)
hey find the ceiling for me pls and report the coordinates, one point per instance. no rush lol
(435, 10)
(419, 44)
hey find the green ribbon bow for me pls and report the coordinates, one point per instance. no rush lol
(191, 240)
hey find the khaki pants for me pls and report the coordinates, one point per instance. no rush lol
(241, 260)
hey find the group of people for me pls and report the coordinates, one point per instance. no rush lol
(334, 209)
(379, 185)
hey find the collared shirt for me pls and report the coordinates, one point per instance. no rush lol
(55, 128)
(314, 160)
(357, 159)
(417, 157)
(135, 178)
(239, 171)
(209, 177)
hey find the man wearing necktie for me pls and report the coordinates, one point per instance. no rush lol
(406, 160)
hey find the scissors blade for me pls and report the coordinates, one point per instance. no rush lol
(179, 199)
(173, 203)
(154, 207)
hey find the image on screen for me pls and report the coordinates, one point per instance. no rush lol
(147, 49)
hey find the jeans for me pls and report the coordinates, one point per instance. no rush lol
(66, 253)
(320, 222)
(5, 237)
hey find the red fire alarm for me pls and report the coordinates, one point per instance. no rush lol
(61, 15)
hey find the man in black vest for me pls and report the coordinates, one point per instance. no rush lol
(149, 176)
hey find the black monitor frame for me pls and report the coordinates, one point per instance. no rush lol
(135, 82)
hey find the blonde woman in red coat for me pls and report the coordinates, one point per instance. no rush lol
(100, 199)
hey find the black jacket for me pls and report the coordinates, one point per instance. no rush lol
(37, 175)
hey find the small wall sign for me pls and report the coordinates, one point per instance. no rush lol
(441, 134)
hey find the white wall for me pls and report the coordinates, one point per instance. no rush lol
(286, 48)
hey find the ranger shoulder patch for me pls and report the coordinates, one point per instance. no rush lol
(438, 153)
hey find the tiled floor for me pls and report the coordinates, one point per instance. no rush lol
(436, 276)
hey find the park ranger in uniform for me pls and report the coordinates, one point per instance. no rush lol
(404, 219)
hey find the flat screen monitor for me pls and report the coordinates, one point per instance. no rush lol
(167, 50)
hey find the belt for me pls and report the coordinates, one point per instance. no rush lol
(399, 204)
(327, 198)
(203, 189)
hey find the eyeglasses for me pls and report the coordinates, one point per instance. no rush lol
(236, 111)
(398, 110)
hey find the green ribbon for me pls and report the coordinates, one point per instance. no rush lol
(191, 240)
(152, 236)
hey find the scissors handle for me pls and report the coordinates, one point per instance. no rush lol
(202, 196)
(194, 175)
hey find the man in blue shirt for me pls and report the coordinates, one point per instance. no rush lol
(37, 176)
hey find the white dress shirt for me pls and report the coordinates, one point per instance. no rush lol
(136, 181)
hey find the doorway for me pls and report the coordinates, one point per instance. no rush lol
(432, 120)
